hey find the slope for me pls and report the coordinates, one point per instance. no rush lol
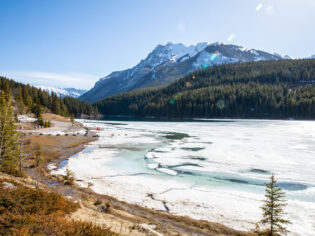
(165, 64)
(272, 89)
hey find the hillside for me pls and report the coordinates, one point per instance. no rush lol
(167, 63)
(31, 211)
(27, 97)
(271, 89)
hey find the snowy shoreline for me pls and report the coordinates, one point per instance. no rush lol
(104, 171)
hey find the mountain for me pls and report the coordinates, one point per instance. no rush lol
(71, 92)
(167, 63)
(265, 89)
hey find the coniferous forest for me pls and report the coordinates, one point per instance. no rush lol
(266, 89)
(27, 98)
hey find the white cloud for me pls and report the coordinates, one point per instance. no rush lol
(269, 10)
(66, 80)
(180, 27)
(231, 37)
(259, 6)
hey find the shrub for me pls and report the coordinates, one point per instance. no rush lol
(69, 177)
(25, 211)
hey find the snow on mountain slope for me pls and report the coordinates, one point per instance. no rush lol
(166, 63)
(71, 92)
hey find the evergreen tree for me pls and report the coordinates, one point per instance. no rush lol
(273, 209)
(38, 114)
(69, 177)
(38, 111)
(9, 148)
(39, 159)
(72, 119)
(21, 143)
(20, 103)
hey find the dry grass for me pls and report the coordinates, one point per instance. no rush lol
(25, 211)
(50, 116)
(78, 143)
(25, 126)
(52, 146)
(116, 224)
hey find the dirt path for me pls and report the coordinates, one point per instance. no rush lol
(58, 126)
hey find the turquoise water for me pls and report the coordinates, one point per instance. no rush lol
(197, 166)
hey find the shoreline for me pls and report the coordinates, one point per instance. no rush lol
(112, 172)
(167, 222)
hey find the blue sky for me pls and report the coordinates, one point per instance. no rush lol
(72, 43)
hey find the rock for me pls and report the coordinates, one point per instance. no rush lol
(7, 185)
(104, 209)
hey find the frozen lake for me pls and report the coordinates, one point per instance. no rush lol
(211, 170)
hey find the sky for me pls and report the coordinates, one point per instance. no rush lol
(72, 43)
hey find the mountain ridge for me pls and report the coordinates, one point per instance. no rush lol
(280, 89)
(71, 92)
(166, 63)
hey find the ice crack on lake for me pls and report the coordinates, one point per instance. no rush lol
(207, 170)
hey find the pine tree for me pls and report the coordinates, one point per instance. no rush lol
(39, 156)
(38, 111)
(273, 209)
(69, 177)
(72, 119)
(19, 100)
(21, 143)
(9, 148)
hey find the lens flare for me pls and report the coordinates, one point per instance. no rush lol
(188, 84)
(172, 101)
(213, 56)
(194, 77)
(177, 96)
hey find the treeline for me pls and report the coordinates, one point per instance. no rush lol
(266, 89)
(27, 98)
(10, 142)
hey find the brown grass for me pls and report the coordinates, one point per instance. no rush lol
(25, 126)
(78, 143)
(25, 211)
(53, 146)
(50, 116)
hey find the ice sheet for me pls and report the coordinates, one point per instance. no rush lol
(216, 174)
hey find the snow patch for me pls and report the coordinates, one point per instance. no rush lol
(25, 118)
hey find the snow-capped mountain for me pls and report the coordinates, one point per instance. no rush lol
(166, 63)
(71, 92)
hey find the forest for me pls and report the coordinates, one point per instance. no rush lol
(27, 98)
(265, 89)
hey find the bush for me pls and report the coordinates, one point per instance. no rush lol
(25, 211)
(69, 177)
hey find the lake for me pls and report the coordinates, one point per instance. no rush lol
(213, 169)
